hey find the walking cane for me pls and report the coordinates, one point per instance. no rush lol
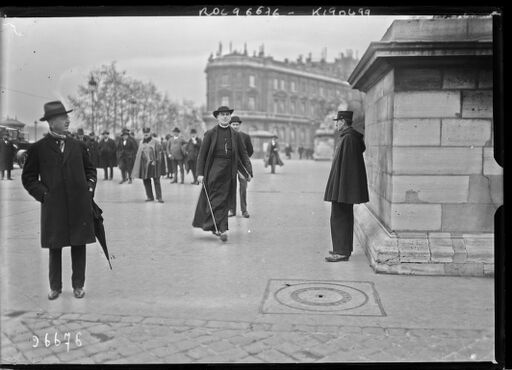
(211, 210)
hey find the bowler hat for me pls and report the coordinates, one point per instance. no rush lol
(193, 131)
(222, 108)
(91, 134)
(235, 119)
(145, 130)
(105, 132)
(52, 109)
(176, 130)
(80, 131)
(344, 114)
(125, 131)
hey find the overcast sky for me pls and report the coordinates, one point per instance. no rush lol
(46, 59)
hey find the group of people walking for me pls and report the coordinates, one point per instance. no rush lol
(60, 173)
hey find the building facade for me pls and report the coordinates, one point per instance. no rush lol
(285, 98)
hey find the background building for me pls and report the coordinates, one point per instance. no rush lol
(288, 98)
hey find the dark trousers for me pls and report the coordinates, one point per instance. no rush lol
(111, 172)
(149, 189)
(8, 174)
(192, 166)
(126, 175)
(342, 227)
(77, 265)
(243, 196)
(175, 163)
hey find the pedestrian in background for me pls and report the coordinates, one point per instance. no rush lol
(7, 153)
(272, 157)
(148, 165)
(107, 155)
(176, 152)
(218, 160)
(346, 186)
(300, 149)
(58, 173)
(92, 147)
(126, 151)
(192, 149)
(246, 140)
(288, 151)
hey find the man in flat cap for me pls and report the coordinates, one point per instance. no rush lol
(126, 151)
(176, 152)
(148, 165)
(217, 165)
(59, 174)
(246, 140)
(347, 185)
(192, 149)
(107, 155)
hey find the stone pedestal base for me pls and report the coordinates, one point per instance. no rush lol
(432, 253)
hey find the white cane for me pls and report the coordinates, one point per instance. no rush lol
(211, 210)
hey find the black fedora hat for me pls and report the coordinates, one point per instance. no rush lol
(52, 109)
(344, 114)
(193, 131)
(146, 130)
(176, 130)
(222, 108)
(105, 132)
(80, 131)
(235, 119)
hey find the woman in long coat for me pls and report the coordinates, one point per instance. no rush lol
(272, 157)
(221, 156)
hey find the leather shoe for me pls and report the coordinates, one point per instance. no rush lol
(149, 200)
(336, 258)
(223, 237)
(79, 292)
(160, 201)
(231, 214)
(54, 294)
(246, 214)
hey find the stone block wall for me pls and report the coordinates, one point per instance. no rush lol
(378, 138)
(443, 175)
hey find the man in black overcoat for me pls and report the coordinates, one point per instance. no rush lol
(126, 151)
(246, 140)
(7, 153)
(218, 161)
(347, 185)
(192, 149)
(107, 155)
(58, 173)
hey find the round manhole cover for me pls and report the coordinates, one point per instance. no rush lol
(323, 297)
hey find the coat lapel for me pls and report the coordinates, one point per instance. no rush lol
(68, 147)
(52, 144)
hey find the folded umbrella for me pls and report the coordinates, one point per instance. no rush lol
(99, 229)
(211, 210)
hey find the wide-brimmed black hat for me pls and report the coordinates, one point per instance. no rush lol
(80, 131)
(105, 132)
(193, 131)
(52, 109)
(235, 119)
(176, 130)
(222, 108)
(344, 114)
(145, 130)
(125, 131)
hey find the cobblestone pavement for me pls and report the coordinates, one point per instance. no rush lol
(179, 295)
(124, 339)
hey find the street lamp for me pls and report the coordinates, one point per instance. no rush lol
(93, 85)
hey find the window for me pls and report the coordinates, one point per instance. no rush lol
(275, 105)
(292, 106)
(282, 84)
(275, 83)
(225, 101)
(225, 80)
(303, 107)
(252, 103)
(281, 106)
(293, 86)
(321, 91)
(252, 81)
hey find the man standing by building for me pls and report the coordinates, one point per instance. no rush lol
(148, 165)
(347, 185)
(272, 157)
(246, 140)
(107, 155)
(126, 151)
(192, 149)
(7, 153)
(176, 152)
(59, 174)
(218, 159)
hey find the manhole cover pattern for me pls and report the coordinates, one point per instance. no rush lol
(324, 297)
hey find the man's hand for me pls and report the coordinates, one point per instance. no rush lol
(249, 178)
(200, 178)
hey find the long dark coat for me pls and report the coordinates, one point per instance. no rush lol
(146, 154)
(126, 154)
(347, 181)
(92, 148)
(7, 152)
(273, 154)
(204, 164)
(61, 182)
(107, 153)
(246, 139)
